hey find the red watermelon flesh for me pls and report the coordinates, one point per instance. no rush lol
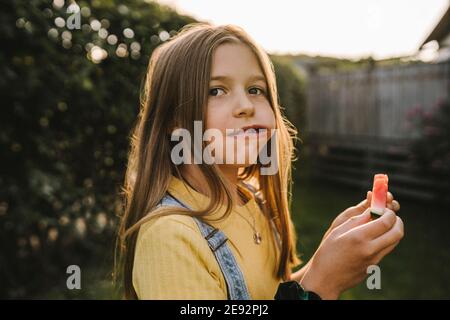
(379, 195)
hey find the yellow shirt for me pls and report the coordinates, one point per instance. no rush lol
(173, 260)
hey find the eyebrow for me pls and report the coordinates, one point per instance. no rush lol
(251, 78)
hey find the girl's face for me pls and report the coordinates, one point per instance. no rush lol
(238, 104)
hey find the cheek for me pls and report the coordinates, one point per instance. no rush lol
(268, 114)
(216, 116)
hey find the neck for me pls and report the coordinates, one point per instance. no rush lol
(197, 180)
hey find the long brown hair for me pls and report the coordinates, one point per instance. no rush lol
(175, 95)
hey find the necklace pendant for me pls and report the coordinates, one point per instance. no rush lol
(257, 237)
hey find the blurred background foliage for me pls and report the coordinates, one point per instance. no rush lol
(431, 150)
(66, 117)
(69, 100)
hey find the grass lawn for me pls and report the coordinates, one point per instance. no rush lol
(419, 268)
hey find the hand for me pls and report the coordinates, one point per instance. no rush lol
(391, 204)
(350, 212)
(342, 259)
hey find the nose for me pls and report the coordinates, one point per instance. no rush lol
(244, 106)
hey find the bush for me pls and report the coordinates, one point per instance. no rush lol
(65, 120)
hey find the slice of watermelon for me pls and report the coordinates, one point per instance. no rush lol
(379, 195)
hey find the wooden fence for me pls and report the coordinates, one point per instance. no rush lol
(358, 125)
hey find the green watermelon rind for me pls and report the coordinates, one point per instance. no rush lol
(375, 215)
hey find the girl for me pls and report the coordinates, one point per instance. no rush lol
(222, 230)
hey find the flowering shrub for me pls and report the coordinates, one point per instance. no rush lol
(431, 147)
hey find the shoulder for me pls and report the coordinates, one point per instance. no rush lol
(170, 227)
(173, 239)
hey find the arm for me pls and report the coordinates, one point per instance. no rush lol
(298, 275)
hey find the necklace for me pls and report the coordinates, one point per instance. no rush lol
(256, 235)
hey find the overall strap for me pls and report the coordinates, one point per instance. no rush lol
(237, 288)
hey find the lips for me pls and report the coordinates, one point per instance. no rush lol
(249, 130)
(255, 127)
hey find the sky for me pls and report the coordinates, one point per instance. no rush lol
(345, 28)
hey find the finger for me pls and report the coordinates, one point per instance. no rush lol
(385, 252)
(380, 226)
(369, 198)
(353, 222)
(343, 217)
(395, 234)
(353, 211)
(366, 202)
(389, 197)
(394, 205)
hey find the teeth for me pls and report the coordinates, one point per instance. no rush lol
(246, 131)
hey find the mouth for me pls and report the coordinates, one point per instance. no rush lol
(255, 129)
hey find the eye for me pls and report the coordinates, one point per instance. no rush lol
(254, 90)
(216, 92)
